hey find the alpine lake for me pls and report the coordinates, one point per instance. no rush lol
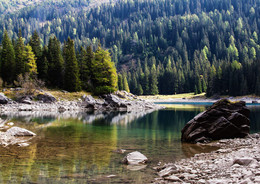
(80, 148)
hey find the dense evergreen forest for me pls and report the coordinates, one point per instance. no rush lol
(159, 46)
(58, 67)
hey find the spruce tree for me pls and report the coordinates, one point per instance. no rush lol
(72, 81)
(35, 43)
(8, 60)
(42, 65)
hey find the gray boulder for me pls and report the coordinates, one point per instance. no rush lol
(222, 120)
(115, 101)
(135, 158)
(17, 131)
(3, 99)
(89, 101)
(46, 98)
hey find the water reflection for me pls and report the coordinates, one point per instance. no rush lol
(78, 147)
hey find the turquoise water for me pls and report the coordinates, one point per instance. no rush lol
(79, 148)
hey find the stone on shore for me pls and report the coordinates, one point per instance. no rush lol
(46, 98)
(135, 158)
(16, 131)
(222, 120)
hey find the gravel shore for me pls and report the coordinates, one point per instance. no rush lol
(237, 161)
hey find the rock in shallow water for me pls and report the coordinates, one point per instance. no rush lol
(16, 131)
(223, 119)
(135, 158)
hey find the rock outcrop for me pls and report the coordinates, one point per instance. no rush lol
(224, 119)
(135, 158)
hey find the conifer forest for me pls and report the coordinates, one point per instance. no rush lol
(147, 47)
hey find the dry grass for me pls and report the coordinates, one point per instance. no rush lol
(67, 96)
(177, 96)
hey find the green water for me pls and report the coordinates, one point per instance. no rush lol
(79, 149)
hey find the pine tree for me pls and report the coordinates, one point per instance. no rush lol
(19, 50)
(8, 60)
(72, 81)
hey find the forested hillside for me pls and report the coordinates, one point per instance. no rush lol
(159, 46)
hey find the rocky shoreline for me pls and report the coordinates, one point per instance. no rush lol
(236, 161)
(119, 101)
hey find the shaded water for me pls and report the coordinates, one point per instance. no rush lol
(78, 148)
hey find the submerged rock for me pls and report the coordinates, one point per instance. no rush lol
(16, 131)
(223, 119)
(135, 158)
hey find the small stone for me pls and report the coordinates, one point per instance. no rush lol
(10, 124)
(111, 176)
(23, 144)
(135, 158)
(167, 171)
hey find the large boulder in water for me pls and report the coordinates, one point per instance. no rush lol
(135, 158)
(224, 119)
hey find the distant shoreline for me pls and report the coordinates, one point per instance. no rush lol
(188, 98)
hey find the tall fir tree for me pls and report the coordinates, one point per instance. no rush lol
(8, 60)
(72, 81)
(19, 50)
(42, 65)
(85, 60)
